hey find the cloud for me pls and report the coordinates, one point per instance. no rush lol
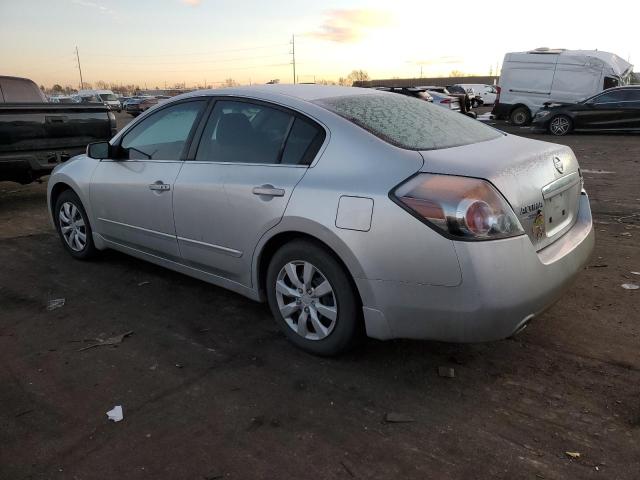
(344, 26)
(102, 8)
(192, 3)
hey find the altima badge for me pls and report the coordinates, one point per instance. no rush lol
(558, 164)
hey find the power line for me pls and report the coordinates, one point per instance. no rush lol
(194, 62)
(212, 52)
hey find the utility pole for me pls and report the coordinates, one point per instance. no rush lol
(79, 69)
(293, 56)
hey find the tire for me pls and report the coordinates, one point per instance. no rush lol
(560, 125)
(332, 321)
(70, 214)
(520, 116)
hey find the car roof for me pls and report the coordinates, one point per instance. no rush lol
(305, 92)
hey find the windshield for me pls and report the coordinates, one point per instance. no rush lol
(408, 122)
(108, 97)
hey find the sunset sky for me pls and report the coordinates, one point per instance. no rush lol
(152, 42)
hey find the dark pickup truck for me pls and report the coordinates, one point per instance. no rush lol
(36, 135)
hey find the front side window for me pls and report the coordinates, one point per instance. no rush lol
(242, 132)
(408, 122)
(163, 135)
(610, 97)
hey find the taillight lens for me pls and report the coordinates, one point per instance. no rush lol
(445, 100)
(461, 207)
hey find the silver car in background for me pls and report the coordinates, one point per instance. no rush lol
(351, 211)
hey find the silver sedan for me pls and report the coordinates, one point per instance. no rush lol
(353, 212)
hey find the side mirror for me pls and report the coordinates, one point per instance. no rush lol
(99, 150)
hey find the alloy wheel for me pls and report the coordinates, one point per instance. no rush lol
(306, 300)
(72, 226)
(559, 126)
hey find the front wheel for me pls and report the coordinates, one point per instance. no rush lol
(72, 224)
(560, 125)
(520, 116)
(313, 299)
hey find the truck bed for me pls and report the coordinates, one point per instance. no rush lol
(35, 137)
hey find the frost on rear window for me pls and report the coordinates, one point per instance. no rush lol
(408, 122)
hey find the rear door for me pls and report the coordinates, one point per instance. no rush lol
(248, 161)
(630, 109)
(605, 111)
(131, 194)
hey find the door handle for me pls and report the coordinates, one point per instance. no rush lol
(163, 187)
(268, 190)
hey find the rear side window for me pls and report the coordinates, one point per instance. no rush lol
(303, 143)
(408, 122)
(244, 132)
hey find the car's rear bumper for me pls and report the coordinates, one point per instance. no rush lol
(505, 283)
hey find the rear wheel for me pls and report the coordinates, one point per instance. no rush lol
(72, 224)
(520, 116)
(560, 125)
(312, 299)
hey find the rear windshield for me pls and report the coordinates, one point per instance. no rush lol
(409, 122)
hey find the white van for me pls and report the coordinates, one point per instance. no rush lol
(529, 79)
(106, 97)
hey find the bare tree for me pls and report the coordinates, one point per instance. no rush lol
(57, 88)
(343, 82)
(457, 73)
(274, 81)
(102, 85)
(357, 76)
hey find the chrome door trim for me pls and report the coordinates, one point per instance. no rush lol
(133, 227)
(229, 251)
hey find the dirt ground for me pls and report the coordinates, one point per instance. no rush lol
(211, 390)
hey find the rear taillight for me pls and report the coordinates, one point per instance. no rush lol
(446, 100)
(461, 207)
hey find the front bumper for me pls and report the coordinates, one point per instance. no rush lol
(505, 283)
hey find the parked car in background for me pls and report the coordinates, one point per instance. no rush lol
(62, 99)
(135, 106)
(416, 92)
(350, 211)
(530, 79)
(464, 101)
(106, 97)
(616, 109)
(446, 101)
(36, 135)
(486, 93)
(474, 98)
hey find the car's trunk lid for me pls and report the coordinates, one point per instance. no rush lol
(540, 180)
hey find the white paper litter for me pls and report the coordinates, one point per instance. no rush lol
(116, 413)
(630, 286)
(55, 303)
(635, 273)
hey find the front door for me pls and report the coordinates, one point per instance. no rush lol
(602, 112)
(249, 160)
(131, 194)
